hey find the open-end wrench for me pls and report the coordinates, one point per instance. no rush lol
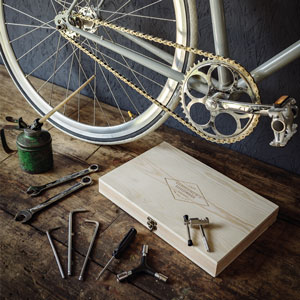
(36, 190)
(25, 215)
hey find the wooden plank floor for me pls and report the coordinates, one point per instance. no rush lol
(268, 269)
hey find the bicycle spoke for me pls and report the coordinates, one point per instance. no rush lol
(134, 15)
(39, 43)
(79, 83)
(31, 31)
(62, 3)
(47, 81)
(134, 11)
(113, 13)
(111, 91)
(23, 13)
(42, 63)
(86, 78)
(30, 25)
(69, 79)
(53, 7)
(126, 62)
(54, 67)
(120, 84)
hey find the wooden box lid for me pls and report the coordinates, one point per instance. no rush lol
(165, 183)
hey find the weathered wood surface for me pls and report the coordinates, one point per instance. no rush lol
(268, 269)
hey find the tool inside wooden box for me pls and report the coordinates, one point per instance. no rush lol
(164, 184)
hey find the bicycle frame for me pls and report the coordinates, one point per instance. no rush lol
(263, 71)
(219, 93)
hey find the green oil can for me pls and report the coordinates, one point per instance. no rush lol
(35, 151)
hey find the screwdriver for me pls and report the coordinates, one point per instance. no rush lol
(119, 250)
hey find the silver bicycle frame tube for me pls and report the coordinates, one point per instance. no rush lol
(220, 37)
(221, 48)
(277, 62)
(263, 71)
(140, 59)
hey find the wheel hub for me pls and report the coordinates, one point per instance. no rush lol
(88, 25)
(85, 24)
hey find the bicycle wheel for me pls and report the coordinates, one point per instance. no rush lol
(41, 62)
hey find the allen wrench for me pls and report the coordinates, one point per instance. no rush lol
(54, 251)
(70, 235)
(90, 248)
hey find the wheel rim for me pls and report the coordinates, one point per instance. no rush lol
(150, 118)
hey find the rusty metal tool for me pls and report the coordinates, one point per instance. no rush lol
(54, 252)
(90, 248)
(25, 215)
(35, 190)
(70, 235)
(120, 249)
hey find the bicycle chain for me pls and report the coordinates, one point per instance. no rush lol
(175, 45)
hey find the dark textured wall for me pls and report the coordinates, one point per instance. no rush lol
(257, 30)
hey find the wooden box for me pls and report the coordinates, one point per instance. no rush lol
(164, 184)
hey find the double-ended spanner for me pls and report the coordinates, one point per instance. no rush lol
(37, 189)
(25, 215)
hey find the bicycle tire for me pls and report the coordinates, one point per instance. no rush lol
(151, 118)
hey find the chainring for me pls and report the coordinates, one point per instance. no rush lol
(201, 88)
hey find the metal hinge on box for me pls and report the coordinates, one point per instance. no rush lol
(151, 224)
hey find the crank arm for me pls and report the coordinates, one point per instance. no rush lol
(251, 108)
(37, 189)
(25, 215)
(242, 107)
(282, 112)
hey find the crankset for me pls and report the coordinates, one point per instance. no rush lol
(208, 105)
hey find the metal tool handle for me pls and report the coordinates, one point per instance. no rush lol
(70, 236)
(84, 182)
(186, 222)
(90, 248)
(124, 243)
(36, 190)
(55, 253)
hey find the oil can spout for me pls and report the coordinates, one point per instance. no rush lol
(20, 122)
(36, 125)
